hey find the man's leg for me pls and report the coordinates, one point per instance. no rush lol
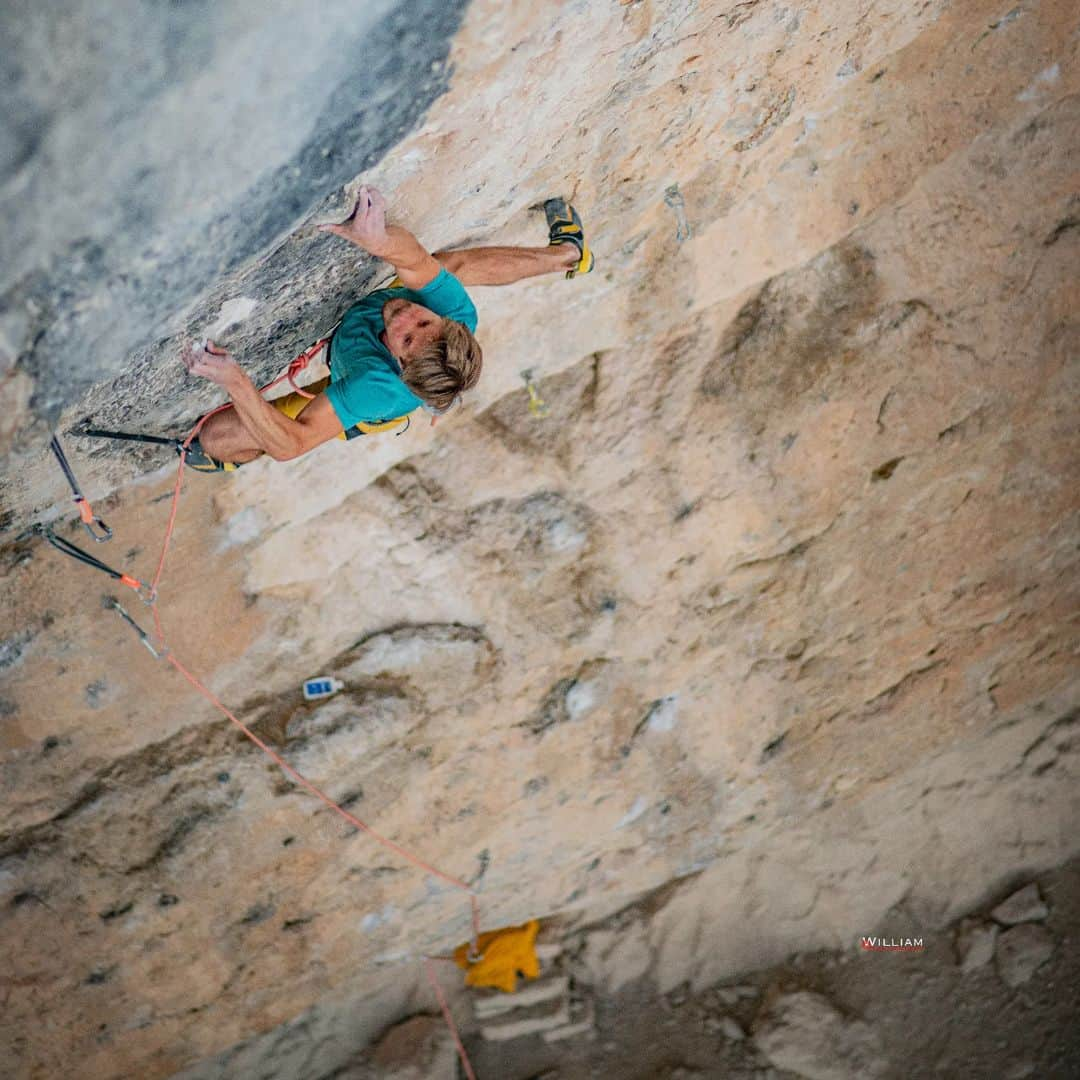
(224, 437)
(505, 265)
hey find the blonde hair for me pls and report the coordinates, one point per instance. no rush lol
(447, 367)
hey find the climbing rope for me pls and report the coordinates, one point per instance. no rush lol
(149, 595)
(430, 972)
(299, 364)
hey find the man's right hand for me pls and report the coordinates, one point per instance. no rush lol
(215, 364)
(366, 225)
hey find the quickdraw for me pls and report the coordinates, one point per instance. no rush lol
(129, 436)
(66, 547)
(86, 512)
(144, 637)
(537, 406)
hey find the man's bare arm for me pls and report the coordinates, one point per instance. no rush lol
(505, 265)
(415, 265)
(366, 227)
(271, 431)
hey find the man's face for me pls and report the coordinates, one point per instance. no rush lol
(410, 328)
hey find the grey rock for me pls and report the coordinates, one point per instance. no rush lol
(1025, 905)
(118, 211)
(975, 942)
(731, 1029)
(805, 1035)
(732, 995)
(1021, 951)
(419, 1048)
(1020, 1071)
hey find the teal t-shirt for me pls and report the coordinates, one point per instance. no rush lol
(365, 379)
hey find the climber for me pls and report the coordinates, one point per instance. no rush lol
(402, 347)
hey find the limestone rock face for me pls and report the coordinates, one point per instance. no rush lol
(416, 1049)
(975, 942)
(441, 664)
(1021, 951)
(1025, 905)
(615, 958)
(804, 1034)
(774, 609)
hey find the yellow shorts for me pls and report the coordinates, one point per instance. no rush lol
(292, 405)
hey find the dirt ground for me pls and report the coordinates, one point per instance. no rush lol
(932, 1018)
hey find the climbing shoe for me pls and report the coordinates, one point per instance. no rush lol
(199, 460)
(564, 227)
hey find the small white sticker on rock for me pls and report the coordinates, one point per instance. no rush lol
(580, 698)
(731, 1029)
(374, 919)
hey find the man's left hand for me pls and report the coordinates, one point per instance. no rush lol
(212, 363)
(366, 225)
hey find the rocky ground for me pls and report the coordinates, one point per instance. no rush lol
(995, 995)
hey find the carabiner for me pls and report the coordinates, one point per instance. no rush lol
(85, 510)
(143, 636)
(89, 521)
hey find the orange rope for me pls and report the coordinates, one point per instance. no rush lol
(350, 818)
(428, 969)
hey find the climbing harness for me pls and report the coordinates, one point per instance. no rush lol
(296, 365)
(85, 510)
(195, 457)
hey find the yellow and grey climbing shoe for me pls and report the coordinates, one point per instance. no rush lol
(564, 227)
(199, 460)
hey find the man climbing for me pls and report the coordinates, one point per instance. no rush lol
(399, 348)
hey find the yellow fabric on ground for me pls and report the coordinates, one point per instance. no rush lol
(503, 955)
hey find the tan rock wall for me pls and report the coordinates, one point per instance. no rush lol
(781, 594)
